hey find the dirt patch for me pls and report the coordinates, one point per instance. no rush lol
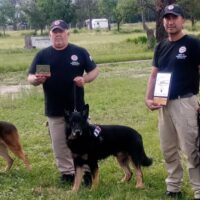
(13, 89)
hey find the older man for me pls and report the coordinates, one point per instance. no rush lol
(65, 65)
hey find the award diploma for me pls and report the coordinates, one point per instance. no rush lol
(162, 86)
(43, 70)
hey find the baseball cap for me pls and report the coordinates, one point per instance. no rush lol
(60, 24)
(173, 9)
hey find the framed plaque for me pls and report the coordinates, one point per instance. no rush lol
(162, 86)
(43, 70)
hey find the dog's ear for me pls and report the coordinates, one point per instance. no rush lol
(85, 112)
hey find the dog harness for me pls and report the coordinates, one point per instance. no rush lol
(96, 133)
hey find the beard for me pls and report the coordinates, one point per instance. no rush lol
(59, 43)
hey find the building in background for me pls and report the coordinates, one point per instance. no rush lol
(101, 23)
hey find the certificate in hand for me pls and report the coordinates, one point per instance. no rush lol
(43, 70)
(162, 86)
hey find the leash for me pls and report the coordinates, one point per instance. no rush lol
(74, 90)
(198, 121)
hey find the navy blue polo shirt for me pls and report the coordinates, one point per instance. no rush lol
(65, 65)
(181, 58)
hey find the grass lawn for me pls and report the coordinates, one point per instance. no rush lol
(116, 97)
(104, 47)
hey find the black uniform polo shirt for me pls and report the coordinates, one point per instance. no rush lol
(181, 58)
(65, 65)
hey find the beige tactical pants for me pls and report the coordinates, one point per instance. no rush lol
(179, 133)
(61, 151)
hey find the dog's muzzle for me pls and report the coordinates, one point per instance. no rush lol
(75, 133)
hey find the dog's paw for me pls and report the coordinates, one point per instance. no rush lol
(74, 189)
(140, 186)
(29, 167)
(9, 165)
(93, 187)
(126, 178)
(70, 194)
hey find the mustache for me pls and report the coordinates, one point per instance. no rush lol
(171, 26)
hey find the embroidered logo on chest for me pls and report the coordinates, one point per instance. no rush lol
(181, 55)
(74, 60)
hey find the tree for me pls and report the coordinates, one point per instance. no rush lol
(35, 14)
(112, 10)
(157, 7)
(141, 6)
(41, 12)
(192, 10)
(107, 10)
(124, 9)
(160, 5)
(144, 5)
(127, 7)
(7, 13)
(118, 14)
(86, 9)
(57, 9)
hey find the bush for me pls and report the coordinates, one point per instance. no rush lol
(75, 31)
(97, 30)
(138, 40)
(138, 31)
(198, 36)
(2, 35)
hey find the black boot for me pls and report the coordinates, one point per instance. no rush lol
(67, 179)
(87, 178)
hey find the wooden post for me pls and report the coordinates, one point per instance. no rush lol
(28, 43)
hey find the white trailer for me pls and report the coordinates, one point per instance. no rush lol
(101, 23)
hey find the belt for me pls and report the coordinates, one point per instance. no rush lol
(182, 96)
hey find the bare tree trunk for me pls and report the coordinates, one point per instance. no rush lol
(4, 30)
(160, 31)
(90, 15)
(118, 26)
(90, 24)
(35, 31)
(109, 25)
(193, 21)
(28, 42)
(14, 26)
(149, 32)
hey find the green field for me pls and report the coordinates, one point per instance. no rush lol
(104, 47)
(116, 97)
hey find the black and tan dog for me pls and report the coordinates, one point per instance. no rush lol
(90, 143)
(9, 139)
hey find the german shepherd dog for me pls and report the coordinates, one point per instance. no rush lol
(90, 143)
(9, 139)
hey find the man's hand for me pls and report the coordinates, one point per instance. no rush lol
(36, 79)
(152, 105)
(86, 78)
(79, 81)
